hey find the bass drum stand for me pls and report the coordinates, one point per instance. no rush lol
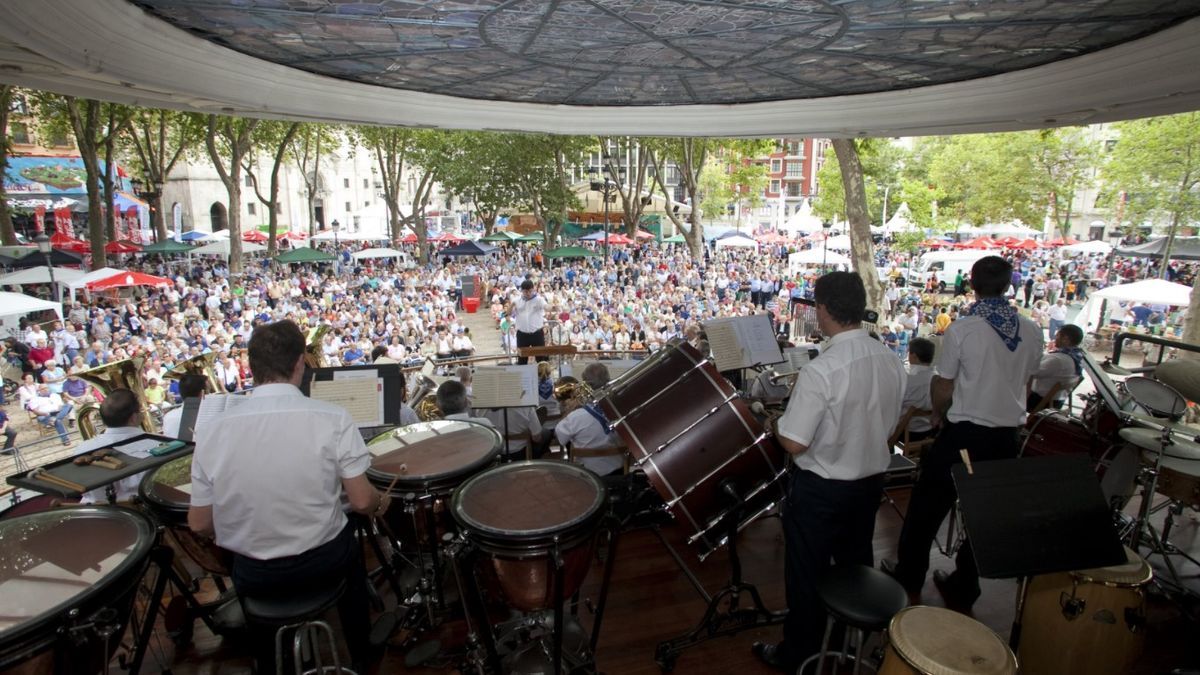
(724, 615)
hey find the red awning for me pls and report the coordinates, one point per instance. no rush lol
(127, 279)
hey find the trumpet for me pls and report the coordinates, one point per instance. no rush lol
(776, 378)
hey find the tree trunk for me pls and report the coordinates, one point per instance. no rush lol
(1166, 257)
(8, 235)
(862, 251)
(83, 124)
(158, 217)
(1191, 322)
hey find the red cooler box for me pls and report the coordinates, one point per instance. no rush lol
(471, 305)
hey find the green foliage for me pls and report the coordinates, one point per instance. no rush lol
(716, 191)
(1156, 163)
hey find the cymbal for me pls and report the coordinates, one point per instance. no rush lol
(1160, 422)
(1149, 439)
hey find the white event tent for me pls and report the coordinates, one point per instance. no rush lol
(1149, 291)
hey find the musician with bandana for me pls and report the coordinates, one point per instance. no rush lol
(586, 426)
(978, 395)
(1062, 366)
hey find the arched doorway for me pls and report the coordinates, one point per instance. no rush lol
(220, 219)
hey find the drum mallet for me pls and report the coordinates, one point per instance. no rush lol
(46, 477)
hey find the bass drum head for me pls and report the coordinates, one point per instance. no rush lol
(434, 455)
(86, 558)
(167, 490)
(937, 640)
(529, 501)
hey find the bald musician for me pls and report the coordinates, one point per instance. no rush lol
(842, 409)
(267, 483)
(121, 413)
(978, 397)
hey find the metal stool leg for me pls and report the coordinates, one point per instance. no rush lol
(308, 636)
(819, 657)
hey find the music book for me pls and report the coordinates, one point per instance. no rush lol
(212, 406)
(742, 342)
(794, 358)
(504, 387)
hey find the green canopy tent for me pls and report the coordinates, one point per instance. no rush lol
(571, 252)
(675, 239)
(304, 255)
(166, 247)
(501, 237)
(533, 236)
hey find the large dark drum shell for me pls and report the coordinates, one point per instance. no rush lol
(519, 513)
(72, 560)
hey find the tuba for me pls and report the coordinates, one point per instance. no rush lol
(314, 356)
(125, 374)
(572, 396)
(201, 364)
(424, 399)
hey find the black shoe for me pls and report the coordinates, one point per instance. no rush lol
(769, 654)
(956, 597)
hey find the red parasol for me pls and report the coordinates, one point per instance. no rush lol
(292, 236)
(122, 247)
(66, 243)
(410, 238)
(126, 279)
(979, 243)
(1059, 241)
(1027, 244)
(642, 234)
(254, 236)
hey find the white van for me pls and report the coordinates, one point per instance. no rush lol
(945, 265)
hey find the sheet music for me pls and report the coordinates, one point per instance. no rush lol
(794, 358)
(361, 397)
(742, 342)
(213, 406)
(140, 448)
(504, 386)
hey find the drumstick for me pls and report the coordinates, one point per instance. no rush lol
(46, 477)
(966, 458)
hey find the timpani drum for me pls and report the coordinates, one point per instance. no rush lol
(430, 460)
(936, 641)
(525, 514)
(1089, 621)
(166, 493)
(694, 437)
(62, 570)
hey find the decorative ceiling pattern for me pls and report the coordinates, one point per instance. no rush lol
(665, 52)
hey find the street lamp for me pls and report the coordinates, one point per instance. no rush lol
(608, 188)
(149, 192)
(336, 226)
(826, 227)
(43, 245)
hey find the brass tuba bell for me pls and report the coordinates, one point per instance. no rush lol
(124, 374)
(572, 394)
(314, 355)
(201, 364)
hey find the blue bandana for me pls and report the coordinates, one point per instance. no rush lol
(1076, 355)
(545, 389)
(1002, 317)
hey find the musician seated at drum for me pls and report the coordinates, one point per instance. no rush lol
(1062, 366)
(267, 483)
(121, 413)
(586, 427)
(453, 402)
(192, 385)
(916, 390)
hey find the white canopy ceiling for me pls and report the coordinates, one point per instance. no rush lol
(371, 253)
(56, 45)
(14, 304)
(40, 275)
(222, 248)
(817, 256)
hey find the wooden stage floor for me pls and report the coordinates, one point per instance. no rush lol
(651, 601)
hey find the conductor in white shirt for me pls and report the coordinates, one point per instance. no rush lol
(529, 314)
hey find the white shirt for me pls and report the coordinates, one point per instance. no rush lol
(917, 395)
(171, 420)
(1057, 312)
(272, 470)
(468, 417)
(844, 406)
(1054, 368)
(530, 314)
(408, 415)
(127, 488)
(522, 422)
(989, 380)
(583, 430)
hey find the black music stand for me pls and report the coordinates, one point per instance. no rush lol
(1035, 515)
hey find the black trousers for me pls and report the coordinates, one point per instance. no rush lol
(824, 521)
(933, 496)
(339, 558)
(535, 339)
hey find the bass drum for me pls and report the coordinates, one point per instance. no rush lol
(1051, 432)
(521, 514)
(1101, 420)
(166, 492)
(695, 438)
(84, 562)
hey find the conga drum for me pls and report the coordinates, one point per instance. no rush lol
(166, 493)
(936, 641)
(522, 514)
(62, 569)
(429, 460)
(695, 438)
(1089, 621)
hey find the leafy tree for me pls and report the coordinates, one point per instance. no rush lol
(276, 138)
(1157, 163)
(882, 163)
(96, 127)
(634, 185)
(480, 169)
(862, 253)
(310, 144)
(8, 235)
(1063, 160)
(716, 188)
(158, 140)
(230, 141)
(544, 177)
